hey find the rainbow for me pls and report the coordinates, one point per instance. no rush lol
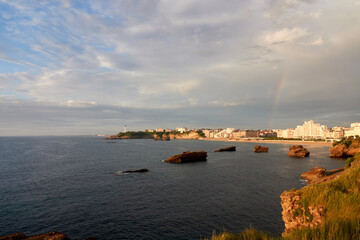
(277, 96)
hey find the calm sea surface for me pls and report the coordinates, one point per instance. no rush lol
(68, 184)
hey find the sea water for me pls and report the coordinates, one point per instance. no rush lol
(68, 184)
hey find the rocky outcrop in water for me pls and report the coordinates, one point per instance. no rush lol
(259, 148)
(320, 175)
(227, 149)
(298, 151)
(295, 215)
(187, 157)
(341, 151)
(142, 170)
(45, 236)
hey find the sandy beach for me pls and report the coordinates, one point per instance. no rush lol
(260, 141)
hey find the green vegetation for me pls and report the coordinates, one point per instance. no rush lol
(201, 134)
(340, 200)
(340, 229)
(349, 161)
(135, 134)
(349, 142)
(248, 234)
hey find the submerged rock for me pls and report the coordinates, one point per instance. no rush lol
(259, 148)
(186, 157)
(227, 149)
(298, 151)
(319, 175)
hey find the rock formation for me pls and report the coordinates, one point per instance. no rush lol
(164, 137)
(186, 157)
(227, 149)
(341, 150)
(142, 170)
(45, 236)
(259, 148)
(298, 151)
(319, 175)
(295, 215)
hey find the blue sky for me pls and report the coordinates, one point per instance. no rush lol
(89, 67)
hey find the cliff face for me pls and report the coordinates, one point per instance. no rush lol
(295, 215)
(191, 135)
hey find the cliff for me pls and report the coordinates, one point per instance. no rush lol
(192, 135)
(328, 210)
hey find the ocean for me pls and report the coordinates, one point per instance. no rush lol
(68, 184)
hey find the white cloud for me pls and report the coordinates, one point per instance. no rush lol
(283, 36)
(318, 42)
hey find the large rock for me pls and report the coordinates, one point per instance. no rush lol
(259, 148)
(319, 175)
(295, 215)
(298, 151)
(227, 149)
(342, 151)
(186, 157)
(45, 236)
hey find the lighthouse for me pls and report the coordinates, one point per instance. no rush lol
(125, 129)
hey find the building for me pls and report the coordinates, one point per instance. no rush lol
(310, 130)
(159, 130)
(353, 131)
(182, 129)
(286, 133)
(245, 133)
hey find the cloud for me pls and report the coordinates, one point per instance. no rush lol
(158, 56)
(283, 36)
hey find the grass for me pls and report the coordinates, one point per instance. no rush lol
(341, 201)
(335, 229)
(248, 234)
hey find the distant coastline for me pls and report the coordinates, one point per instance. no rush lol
(269, 141)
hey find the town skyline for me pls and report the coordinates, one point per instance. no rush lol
(308, 130)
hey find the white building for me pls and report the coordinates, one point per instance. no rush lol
(224, 133)
(353, 131)
(311, 130)
(182, 129)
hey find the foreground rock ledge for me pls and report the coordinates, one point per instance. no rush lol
(45, 236)
(320, 175)
(187, 157)
(292, 213)
(298, 151)
(259, 148)
(227, 149)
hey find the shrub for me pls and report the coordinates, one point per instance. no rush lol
(349, 161)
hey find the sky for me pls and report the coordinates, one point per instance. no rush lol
(91, 67)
